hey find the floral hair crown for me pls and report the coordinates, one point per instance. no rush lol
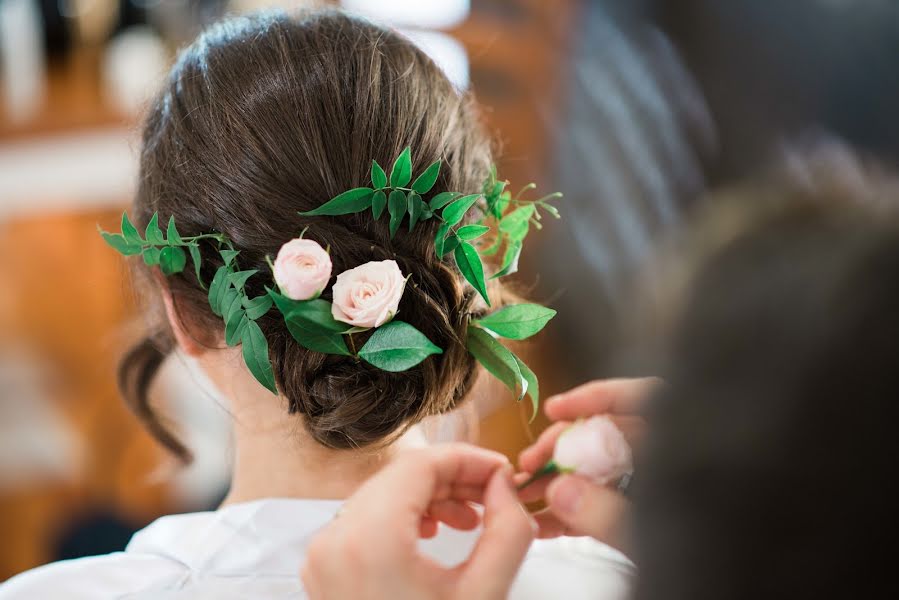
(368, 296)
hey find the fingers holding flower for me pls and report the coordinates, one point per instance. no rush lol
(587, 456)
(595, 449)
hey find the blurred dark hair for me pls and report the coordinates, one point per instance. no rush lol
(766, 471)
(268, 115)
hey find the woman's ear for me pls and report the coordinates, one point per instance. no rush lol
(185, 341)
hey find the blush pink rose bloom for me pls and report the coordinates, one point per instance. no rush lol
(595, 449)
(302, 269)
(369, 295)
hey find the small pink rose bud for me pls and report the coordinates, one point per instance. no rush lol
(302, 269)
(595, 449)
(369, 295)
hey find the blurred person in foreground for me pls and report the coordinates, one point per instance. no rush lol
(764, 450)
(765, 467)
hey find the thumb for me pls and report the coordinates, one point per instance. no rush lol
(587, 508)
(507, 535)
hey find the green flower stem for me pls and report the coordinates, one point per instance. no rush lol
(550, 468)
(187, 241)
(215, 236)
(529, 186)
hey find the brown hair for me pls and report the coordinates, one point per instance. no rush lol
(268, 115)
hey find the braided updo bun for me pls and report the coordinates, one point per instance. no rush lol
(267, 116)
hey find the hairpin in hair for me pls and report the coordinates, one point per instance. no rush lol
(302, 270)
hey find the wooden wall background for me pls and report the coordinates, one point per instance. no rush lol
(65, 293)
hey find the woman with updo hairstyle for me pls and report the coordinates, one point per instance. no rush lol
(263, 118)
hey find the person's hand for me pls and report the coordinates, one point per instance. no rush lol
(370, 551)
(577, 506)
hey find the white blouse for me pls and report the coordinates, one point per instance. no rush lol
(255, 549)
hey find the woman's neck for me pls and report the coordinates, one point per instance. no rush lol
(275, 457)
(283, 461)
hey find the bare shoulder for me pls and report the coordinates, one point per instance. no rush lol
(106, 576)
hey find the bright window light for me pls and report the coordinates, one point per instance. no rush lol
(433, 14)
(444, 50)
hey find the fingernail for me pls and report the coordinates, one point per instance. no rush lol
(566, 494)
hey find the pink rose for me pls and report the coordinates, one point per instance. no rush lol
(369, 295)
(302, 269)
(594, 448)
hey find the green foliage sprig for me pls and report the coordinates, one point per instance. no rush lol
(227, 293)
(509, 217)
(395, 346)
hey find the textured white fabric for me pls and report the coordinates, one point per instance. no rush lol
(254, 550)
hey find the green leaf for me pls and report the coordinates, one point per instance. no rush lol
(470, 266)
(172, 259)
(308, 335)
(515, 224)
(378, 203)
(442, 199)
(231, 304)
(258, 306)
(352, 201)
(533, 387)
(311, 324)
(217, 290)
(172, 235)
(239, 278)
(401, 172)
(493, 248)
(129, 231)
(416, 207)
(397, 346)
(120, 244)
(228, 256)
(235, 326)
(440, 240)
(471, 232)
(497, 359)
(518, 321)
(424, 182)
(500, 204)
(317, 312)
(153, 232)
(151, 256)
(255, 354)
(450, 245)
(456, 210)
(197, 260)
(378, 176)
(510, 260)
(396, 206)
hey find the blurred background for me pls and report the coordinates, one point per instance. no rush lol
(632, 108)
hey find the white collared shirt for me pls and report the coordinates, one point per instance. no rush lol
(255, 549)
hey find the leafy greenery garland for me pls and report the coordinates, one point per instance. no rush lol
(395, 346)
